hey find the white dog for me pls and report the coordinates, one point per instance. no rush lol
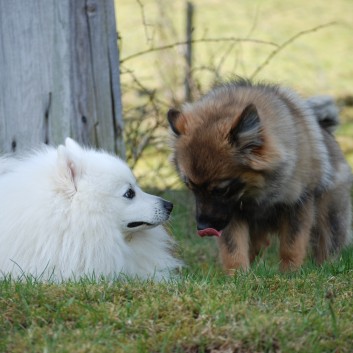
(72, 212)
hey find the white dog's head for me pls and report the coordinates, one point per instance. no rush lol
(104, 186)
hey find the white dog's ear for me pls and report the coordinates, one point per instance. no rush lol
(70, 161)
(72, 145)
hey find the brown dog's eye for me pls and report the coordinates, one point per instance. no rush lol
(222, 188)
(220, 191)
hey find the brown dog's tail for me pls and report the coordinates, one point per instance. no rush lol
(326, 111)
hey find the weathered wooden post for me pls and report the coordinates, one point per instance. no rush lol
(59, 74)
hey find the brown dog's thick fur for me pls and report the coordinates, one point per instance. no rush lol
(260, 160)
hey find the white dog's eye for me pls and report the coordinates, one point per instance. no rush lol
(130, 194)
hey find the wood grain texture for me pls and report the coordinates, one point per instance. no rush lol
(59, 74)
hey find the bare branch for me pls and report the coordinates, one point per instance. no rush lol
(286, 43)
(152, 95)
(145, 24)
(202, 40)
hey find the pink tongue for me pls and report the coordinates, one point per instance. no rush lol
(209, 232)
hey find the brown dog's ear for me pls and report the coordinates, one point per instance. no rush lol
(246, 132)
(177, 121)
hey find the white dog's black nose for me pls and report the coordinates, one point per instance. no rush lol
(168, 206)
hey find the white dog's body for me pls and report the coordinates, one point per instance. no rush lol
(72, 212)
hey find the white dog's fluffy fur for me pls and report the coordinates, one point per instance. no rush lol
(72, 212)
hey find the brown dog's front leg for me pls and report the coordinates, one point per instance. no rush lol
(234, 247)
(294, 236)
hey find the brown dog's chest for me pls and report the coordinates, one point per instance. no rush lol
(267, 218)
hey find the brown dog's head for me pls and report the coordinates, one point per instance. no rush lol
(221, 152)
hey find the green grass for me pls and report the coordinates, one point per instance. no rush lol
(262, 311)
(201, 310)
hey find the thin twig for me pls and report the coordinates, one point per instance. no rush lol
(144, 22)
(286, 43)
(144, 89)
(203, 40)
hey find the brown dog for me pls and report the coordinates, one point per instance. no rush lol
(261, 160)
